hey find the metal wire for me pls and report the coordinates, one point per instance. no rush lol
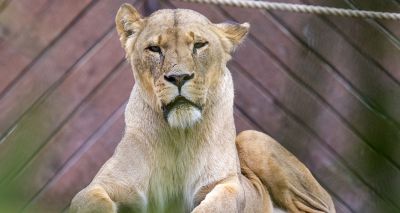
(299, 8)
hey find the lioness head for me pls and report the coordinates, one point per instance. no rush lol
(178, 57)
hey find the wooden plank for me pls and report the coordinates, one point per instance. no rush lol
(13, 61)
(56, 62)
(81, 169)
(28, 27)
(339, 207)
(321, 81)
(242, 122)
(372, 42)
(368, 79)
(75, 132)
(327, 86)
(43, 119)
(387, 6)
(52, 163)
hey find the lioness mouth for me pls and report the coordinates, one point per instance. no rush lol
(179, 100)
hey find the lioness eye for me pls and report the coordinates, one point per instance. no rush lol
(199, 45)
(155, 49)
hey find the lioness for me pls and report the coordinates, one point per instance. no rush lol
(178, 153)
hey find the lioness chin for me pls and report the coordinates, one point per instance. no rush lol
(178, 153)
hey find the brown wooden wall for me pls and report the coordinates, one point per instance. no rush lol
(327, 88)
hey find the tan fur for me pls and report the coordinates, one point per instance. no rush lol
(290, 183)
(182, 157)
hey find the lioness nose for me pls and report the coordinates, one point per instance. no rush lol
(179, 80)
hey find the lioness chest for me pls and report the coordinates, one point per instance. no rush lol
(174, 179)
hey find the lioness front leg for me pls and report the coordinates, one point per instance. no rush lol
(93, 199)
(290, 184)
(227, 196)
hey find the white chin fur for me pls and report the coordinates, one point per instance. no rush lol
(183, 116)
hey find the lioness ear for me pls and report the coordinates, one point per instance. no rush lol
(233, 33)
(128, 22)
